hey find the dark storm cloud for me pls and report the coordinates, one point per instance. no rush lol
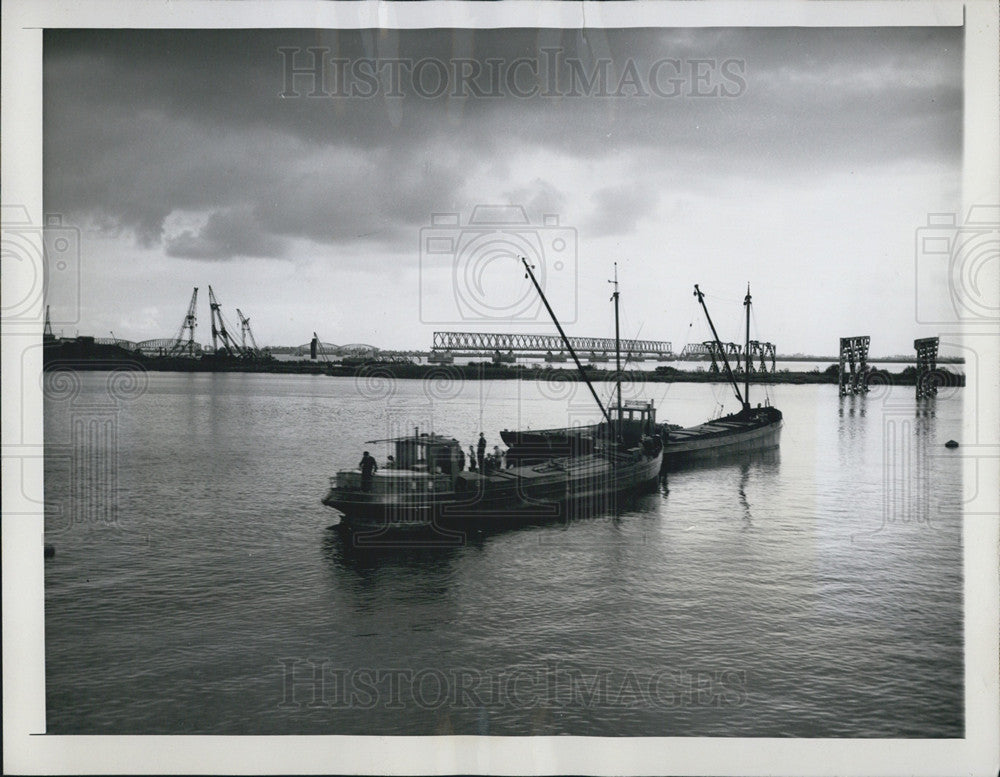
(226, 235)
(141, 124)
(617, 209)
(539, 199)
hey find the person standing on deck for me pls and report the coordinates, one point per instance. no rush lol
(367, 465)
(472, 459)
(481, 451)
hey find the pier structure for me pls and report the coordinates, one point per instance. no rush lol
(762, 352)
(541, 345)
(927, 351)
(715, 351)
(852, 377)
(734, 353)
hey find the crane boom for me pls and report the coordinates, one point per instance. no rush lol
(219, 329)
(246, 332)
(189, 323)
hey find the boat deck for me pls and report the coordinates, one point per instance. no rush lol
(576, 466)
(724, 426)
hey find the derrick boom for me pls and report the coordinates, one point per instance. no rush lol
(219, 329)
(181, 345)
(247, 333)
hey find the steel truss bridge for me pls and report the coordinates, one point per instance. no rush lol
(482, 343)
(763, 356)
(157, 347)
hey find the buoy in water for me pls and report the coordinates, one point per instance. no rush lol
(50, 551)
(951, 444)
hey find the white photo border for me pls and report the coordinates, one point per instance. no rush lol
(28, 750)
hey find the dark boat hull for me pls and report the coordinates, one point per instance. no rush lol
(726, 439)
(743, 433)
(584, 486)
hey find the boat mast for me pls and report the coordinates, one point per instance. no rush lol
(618, 357)
(566, 340)
(722, 351)
(746, 354)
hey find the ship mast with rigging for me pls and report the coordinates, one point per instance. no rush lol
(569, 346)
(722, 351)
(618, 357)
(746, 354)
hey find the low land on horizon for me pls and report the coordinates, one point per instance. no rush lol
(75, 355)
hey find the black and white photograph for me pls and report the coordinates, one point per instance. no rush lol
(516, 387)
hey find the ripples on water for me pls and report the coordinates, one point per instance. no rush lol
(813, 593)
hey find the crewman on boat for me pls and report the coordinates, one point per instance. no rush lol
(368, 466)
(472, 459)
(481, 450)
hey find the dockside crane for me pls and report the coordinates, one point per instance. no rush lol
(181, 345)
(219, 329)
(247, 333)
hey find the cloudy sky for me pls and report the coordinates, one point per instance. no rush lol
(802, 161)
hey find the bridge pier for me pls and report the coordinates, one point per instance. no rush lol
(734, 353)
(763, 352)
(927, 351)
(853, 357)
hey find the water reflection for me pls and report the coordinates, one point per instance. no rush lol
(856, 404)
(341, 549)
(364, 549)
(744, 479)
(770, 457)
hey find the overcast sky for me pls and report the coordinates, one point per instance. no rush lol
(800, 160)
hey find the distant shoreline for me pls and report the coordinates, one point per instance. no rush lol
(71, 356)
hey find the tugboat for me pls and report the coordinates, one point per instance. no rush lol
(748, 431)
(427, 485)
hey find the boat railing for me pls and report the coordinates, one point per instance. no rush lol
(349, 480)
(399, 484)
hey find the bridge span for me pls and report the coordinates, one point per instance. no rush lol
(490, 342)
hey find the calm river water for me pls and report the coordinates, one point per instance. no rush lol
(199, 586)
